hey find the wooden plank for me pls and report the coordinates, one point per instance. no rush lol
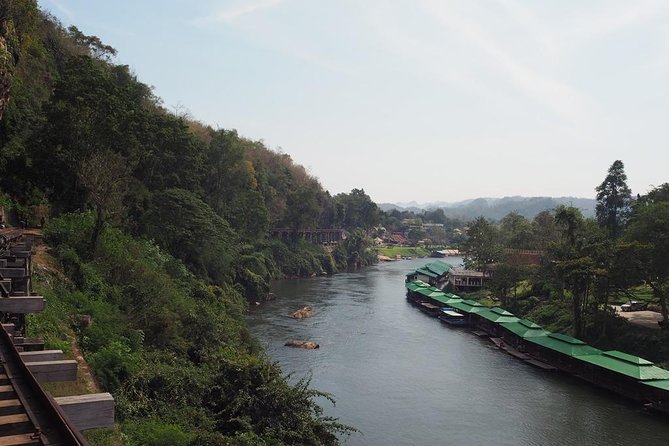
(9, 403)
(12, 419)
(11, 407)
(19, 440)
(13, 273)
(9, 328)
(22, 304)
(89, 411)
(54, 371)
(28, 344)
(42, 355)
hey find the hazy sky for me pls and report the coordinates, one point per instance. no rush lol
(420, 100)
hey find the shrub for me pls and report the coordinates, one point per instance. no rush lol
(155, 433)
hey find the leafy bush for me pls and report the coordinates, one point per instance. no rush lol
(155, 433)
(113, 364)
(250, 395)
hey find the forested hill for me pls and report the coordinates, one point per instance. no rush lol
(161, 225)
(81, 132)
(497, 208)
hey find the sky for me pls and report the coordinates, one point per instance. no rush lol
(414, 100)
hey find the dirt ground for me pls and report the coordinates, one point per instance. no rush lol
(49, 266)
(644, 318)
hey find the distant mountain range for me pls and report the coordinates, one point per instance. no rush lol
(497, 208)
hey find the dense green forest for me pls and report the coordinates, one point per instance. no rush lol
(161, 225)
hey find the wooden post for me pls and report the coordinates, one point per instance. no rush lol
(22, 304)
(42, 355)
(88, 411)
(53, 371)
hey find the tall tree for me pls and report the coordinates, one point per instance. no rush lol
(613, 199)
(359, 210)
(105, 176)
(574, 265)
(544, 229)
(649, 226)
(483, 244)
(517, 232)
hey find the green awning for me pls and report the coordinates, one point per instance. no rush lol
(629, 365)
(564, 344)
(525, 328)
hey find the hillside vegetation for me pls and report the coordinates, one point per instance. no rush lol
(161, 226)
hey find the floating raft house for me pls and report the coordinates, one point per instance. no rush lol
(515, 331)
(625, 374)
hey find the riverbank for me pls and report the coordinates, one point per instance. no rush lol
(402, 251)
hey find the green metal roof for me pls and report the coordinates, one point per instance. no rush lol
(662, 384)
(430, 292)
(412, 286)
(567, 339)
(415, 285)
(427, 272)
(525, 328)
(435, 294)
(629, 365)
(627, 357)
(468, 306)
(446, 300)
(438, 267)
(564, 344)
(498, 315)
(420, 283)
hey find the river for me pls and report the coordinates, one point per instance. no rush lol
(403, 378)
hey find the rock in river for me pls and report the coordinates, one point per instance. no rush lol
(309, 345)
(303, 312)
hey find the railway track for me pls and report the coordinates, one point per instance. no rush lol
(28, 414)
